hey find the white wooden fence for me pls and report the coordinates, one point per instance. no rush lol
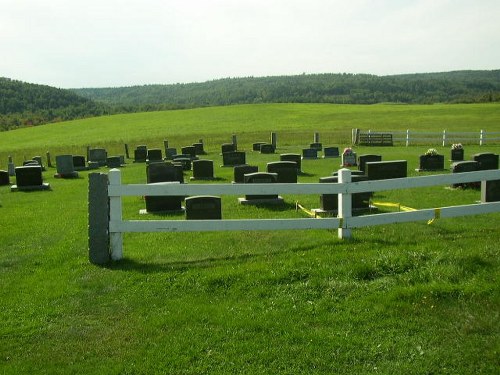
(112, 190)
(443, 138)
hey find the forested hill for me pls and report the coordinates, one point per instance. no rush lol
(26, 104)
(449, 87)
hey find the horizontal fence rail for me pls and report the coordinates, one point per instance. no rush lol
(443, 138)
(110, 188)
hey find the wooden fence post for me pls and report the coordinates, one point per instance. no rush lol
(98, 217)
(115, 215)
(344, 205)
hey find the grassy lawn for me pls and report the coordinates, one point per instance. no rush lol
(396, 299)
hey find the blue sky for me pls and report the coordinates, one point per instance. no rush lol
(110, 43)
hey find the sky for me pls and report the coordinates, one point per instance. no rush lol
(115, 43)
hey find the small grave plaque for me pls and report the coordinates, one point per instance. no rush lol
(154, 155)
(382, 170)
(331, 152)
(65, 167)
(241, 170)
(203, 170)
(267, 148)
(261, 178)
(29, 178)
(98, 155)
(113, 162)
(232, 158)
(363, 159)
(203, 207)
(286, 171)
(256, 145)
(309, 153)
(79, 163)
(293, 157)
(4, 178)
(486, 160)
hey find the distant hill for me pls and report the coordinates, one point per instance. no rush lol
(424, 88)
(27, 104)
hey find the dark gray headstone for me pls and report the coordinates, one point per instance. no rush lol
(140, 155)
(381, 170)
(349, 159)
(164, 172)
(360, 201)
(316, 145)
(162, 203)
(4, 178)
(490, 191)
(241, 170)
(331, 152)
(113, 162)
(203, 207)
(363, 159)
(98, 155)
(261, 178)
(286, 171)
(256, 145)
(203, 169)
(199, 148)
(267, 148)
(457, 155)
(184, 162)
(154, 154)
(293, 157)
(431, 162)
(170, 152)
(465, 166)
(65, 166)
(29, 178)
(486, 160)
(189, 150)
(79, 163)
(309, 153)
(232, 158)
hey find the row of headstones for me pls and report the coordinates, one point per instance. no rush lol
(480, 161)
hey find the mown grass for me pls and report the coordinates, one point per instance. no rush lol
(404, 298)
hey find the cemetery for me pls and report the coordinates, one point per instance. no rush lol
(192, 254)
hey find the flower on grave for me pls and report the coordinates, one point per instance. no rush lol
(347, 151)
(431, 152)
(456, 146)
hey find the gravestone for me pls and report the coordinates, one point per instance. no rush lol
(189, 150)
(164, 172)
(241, 170)
(349, 158)
(490, 191)
(329, 202)
(170, 152)
(309, 153)
(49, 162)
(184, 162)
(38, 159)
(79, 163)
(486, 160)
(457, 154)
(29, 178)
(293, 157)
(227, 147)
(256, 145)
(4, 178)
(11, 167)
(363, 159)
(261, 178)
(163, 203)
(331, 152)
(113, 162)
(31, 162)
(203, 170)
(274, 140)
(316, 145)
(232, 158)
(154, 155)
(382, 170)
(203, 207)
(65, 167)
(140, 154)
(267, 148)
(199, 148)
(465, 166)
(286, 171)
(98, 155)
(126, 151)
(431, 162)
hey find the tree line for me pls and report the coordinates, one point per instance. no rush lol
(24, 104)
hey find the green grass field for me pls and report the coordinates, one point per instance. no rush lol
(396, 299)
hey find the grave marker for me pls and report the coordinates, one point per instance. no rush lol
(316, 145)
(232, 158)
(79, 163)
(331, 152)
(261, 178)
(203, 207)
(154, 155)
(113, 162)
(140, 154)
(65, 167)
(309, 153)
(256, 145)
(29, 178)
(286, 171)
(382, 170)
(11, 167)
(203, 170)
(98, 155)
(490, 191)
(329, 202)
(293, 157)
(227, 147)
(487, 160)
(240, 171)
(363, 159)
(465, 166)
(267, 148)
(189, 150)
(4, 178)
(348, 158)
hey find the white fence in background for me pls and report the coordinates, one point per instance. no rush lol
(110, 243)
(443, 138)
